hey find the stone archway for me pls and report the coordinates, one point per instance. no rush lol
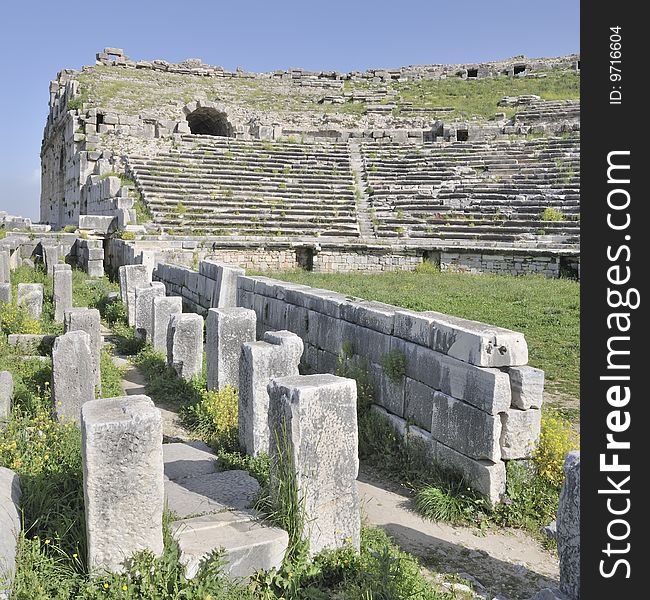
(204, 118)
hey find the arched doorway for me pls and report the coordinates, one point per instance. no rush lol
(209, 121)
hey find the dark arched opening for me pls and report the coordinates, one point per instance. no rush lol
(209, 121)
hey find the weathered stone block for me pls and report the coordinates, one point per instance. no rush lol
(485, 388)
(30, 295)
(10, 526)
(465, 428)
(123, 479)
(527, 385)
(5, 293)
(144, 297)
(163, 307)
(568, 528)
(277, 356)
(132, 277)
(88, 320)
(519, 432)
(72, 375)
(62, 291)
(185, 344)
(6, 395)
(314, 420)
(5, 267)
(226, 330)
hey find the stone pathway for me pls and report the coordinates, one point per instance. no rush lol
(509, 564)
(213, 511)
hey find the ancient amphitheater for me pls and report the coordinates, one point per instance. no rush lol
(323, 170)
(173, 180)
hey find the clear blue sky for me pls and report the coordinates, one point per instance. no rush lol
(37, 39)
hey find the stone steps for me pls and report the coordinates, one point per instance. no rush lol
(213, 510)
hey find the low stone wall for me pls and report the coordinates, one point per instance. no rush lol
(334, 257)
(461, 388)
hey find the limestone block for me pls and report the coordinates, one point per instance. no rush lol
(88, 320)
(469, 341)
(5, 268)
(30, 295)
(314, 420)
(225, 292)
(163, 307)
(527, 385)
(278, 355)
(10, 526)
(485, 477)
(144, 297)
(5, 293)
(185, 344)
(388, 393)
(568, 528)
(95, 268)
(6, 395)
(226, 330)
(51, 255)
(485, 388)
(132, 277)
(519, 432)
(123, 479)
(192, 459)
(465, 428)
(62, 291)
(72, 375)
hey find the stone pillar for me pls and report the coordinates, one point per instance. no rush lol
(5, 267)
(6, 396)
(132, 277)
(10, 525)
(51, 255)
(277, 356)
(144, 297)
(5, 293)
(226, 329)
(163, 307)
(88, 320)
(314, 425)
(568, 528)
(62, 290)
(30, 295)
(224, 294)
(185, 344)
(72, 375)
(121, 446)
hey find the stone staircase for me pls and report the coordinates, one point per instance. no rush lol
(491, 193)
(212, 510)
(222, 186)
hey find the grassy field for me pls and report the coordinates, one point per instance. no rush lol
(546, 311)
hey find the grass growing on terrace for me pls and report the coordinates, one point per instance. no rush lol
(546, 311)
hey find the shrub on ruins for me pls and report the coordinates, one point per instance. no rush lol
(551, 214)
(16, 319)
(557, 439)
(214, 418)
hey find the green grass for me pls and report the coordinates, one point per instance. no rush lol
(546, 311)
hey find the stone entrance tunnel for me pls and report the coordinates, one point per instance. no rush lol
(209, 121)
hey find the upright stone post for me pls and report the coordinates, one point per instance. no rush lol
(72, 375)
(62, 291)
(30, 295)
(226, 330)
(568, 528)
(185, 344)
(121, 449)
(6, 396)
(144, 297)
(88, 320)
(10, 526)
(132, 277)
(51, 255)
(5, 293)
(277, 356)
(5, 267)
(314, 425)
(163, 307)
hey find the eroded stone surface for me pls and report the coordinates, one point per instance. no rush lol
(163, 308)
(185, 344)
(568, 528)
(123, 479)
(10, 525)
